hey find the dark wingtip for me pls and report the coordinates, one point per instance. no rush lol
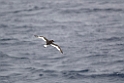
(35, 35)
(62, 52)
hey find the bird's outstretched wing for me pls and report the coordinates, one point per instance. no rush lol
(57, 47)
(42, 37)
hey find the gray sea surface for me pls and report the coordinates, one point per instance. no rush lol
(90, 33)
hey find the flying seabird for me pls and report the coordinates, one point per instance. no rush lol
(49, 42)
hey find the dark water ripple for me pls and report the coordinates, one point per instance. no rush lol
(3, 26)
(3, 56)
(88, 10)
(119, 75)
(76, 75)
(111, 39)
(25, 10)
(7, 39)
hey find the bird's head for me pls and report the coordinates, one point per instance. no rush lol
(52, 40)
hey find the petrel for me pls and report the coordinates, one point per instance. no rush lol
(49, 42)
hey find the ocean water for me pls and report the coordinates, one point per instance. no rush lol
(90, 33)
